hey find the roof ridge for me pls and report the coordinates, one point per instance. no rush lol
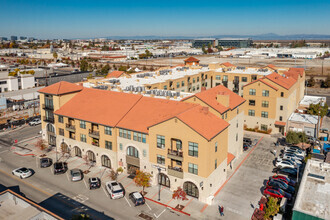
(59, 86)
(128, 111)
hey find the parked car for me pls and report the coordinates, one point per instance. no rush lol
(292, 155)
(34, 122)
(22, 172)
(290, 159)
(45, 162)
(284, 178)
(292, 172)
(245, 147)
(60, 167)
(284, 163)
(277, 193)
(247, 140)
(94, 183)
(114, 189)
(294, 149)
(137, 198)
(280, 184)
(296, 152)
(76, 175)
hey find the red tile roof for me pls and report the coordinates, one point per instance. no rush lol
(284, 81)
(61, 88)
(227, 64)
(280, 123)
(230, 158)
(138, 113)
(263, 81)
(191, 59)
(295, 72)
(115, 74)
(210, 98)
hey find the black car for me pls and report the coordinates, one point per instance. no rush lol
(247, 141)
(137, 198)
(94, 183)
(45, 162)
(245, 146)
(282, 185)
(60, 167)
(292, 172)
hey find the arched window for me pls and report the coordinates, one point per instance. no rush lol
(133, 152)
(65, 148)
(77, 151)
(50, 128)
(191, 189)
(106, 162)
(91, 156)
(163, 180)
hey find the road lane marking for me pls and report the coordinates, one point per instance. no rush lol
(157, 216)
(127, 201)
(148, 205)
(85, 183)
(105, 191)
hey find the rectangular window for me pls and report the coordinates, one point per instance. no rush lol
(263, 127)
(281, 107)
(108, 145)
(83, 124)
(165, 87)
(252, 102)
(244, 79)
(120, 132)
(198, 79)
(124, 133)
(218, 77)
(252, 92)
(264, 114)
(182, 83)
(60, 119)
(197, 87)
(194, 80)
(160, 141)
(178, 145)
(265, 93)
(193, 149)
(83, 138)
(281, 118)
(128, 135)
(251, 112)
(139, 137)
(282, 94)
(160, 159)
(265, 104)
(215, 164)
(178, 85)
(61, 131)
(144, 140)
(216, 147)
(107, 130)
(193, 168)
(225, 78)
(135, 136)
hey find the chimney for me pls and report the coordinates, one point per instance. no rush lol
(223, 98)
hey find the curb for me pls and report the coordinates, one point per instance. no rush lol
(24, 154)
(174, 209)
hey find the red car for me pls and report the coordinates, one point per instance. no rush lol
(273, 193)
(284, 179)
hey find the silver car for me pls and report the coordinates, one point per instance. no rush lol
(76, 175)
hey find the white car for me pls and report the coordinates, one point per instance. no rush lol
(286, 157)
(35, 122)
(296, 152)
(282, 164)
(114, 189)
(22, 172)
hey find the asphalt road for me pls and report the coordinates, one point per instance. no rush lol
(22, 133)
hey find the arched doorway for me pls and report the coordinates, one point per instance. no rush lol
(65, 148)
(91, 156)
(191, 189)
(163, 180)
(106, 162)
(77, 151)
(132, 160)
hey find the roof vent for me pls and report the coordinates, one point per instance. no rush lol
(316, 177)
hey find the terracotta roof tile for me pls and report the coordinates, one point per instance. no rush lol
(210, 97)
(263, 81)
(61, 88)
(191, 59)
(230, 158)
(280, 123)
(284, 81)
(115, 74)
(227, 64)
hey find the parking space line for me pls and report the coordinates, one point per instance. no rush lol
(122, 178)
(147, 205)
(169, 201)
(85, 183)
(128, 202)
(187, 204)
(128, 184)
(105, 191)
(157, 192)
(157, 216)
(204, 207)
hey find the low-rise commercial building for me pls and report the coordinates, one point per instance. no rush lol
(235, 42)
(303, 123)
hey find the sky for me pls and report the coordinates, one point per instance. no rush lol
(48, 19)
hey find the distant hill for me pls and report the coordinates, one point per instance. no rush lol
(268, 36)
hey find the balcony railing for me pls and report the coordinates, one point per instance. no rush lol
(48, 119)
(95, 144)
(175, 171)
(47, 107)
(175, 155)
(94, 134)
(70, 127)
(73, 137)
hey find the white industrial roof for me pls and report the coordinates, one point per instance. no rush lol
(307, 100)
(304, 118)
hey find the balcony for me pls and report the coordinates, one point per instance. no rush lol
(175, 155)
(47, 107)
(96, 144)
(48, 119)
(175, 171)
(133, 161)
(94, 134)
(70, 127)
(72, 137)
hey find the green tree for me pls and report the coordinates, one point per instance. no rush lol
(203, 49)
(292, 137)
(83, 66)
(122, 68)
(311, 82)
(272, 208)
(105, 69)
(142, 179)
(316, 109)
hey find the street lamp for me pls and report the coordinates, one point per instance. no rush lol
(158, 183)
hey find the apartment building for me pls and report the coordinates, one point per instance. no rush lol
(272, 98)
(115, 129)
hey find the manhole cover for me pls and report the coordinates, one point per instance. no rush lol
(144, 216)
